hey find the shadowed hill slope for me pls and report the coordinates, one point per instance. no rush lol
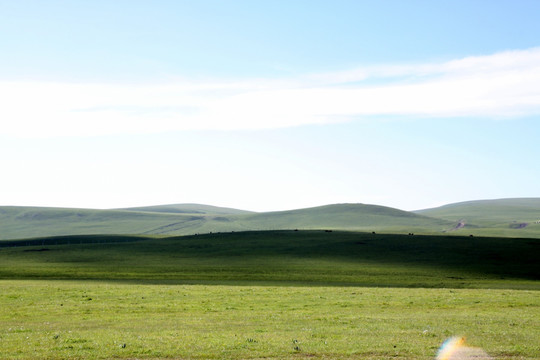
(282, 257)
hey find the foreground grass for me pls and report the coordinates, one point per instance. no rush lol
(116, 320)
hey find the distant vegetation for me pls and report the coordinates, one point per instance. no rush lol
(508, 217)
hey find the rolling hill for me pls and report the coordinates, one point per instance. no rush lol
(507, 217)
(185, 219)
(345, 217)
(24, 222)
(500, 217)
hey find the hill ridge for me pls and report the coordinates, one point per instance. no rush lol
(514, 217)
(187, 208)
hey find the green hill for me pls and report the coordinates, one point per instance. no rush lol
(507, 217)
(345, 217)
(26, 222)
(501, 217)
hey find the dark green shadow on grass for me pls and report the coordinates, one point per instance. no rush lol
(314, 258)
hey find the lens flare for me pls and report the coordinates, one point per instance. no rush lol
(455, 349)
(449, 347)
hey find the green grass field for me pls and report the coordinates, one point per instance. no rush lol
(314, 257)
(272, 295)
(136, 320)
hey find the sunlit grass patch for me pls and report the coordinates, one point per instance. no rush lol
(98, 320)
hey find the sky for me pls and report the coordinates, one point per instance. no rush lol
(268, 105)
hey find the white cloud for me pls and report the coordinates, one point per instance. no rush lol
(499, 85)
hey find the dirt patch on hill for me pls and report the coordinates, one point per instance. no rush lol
(460, 225)
(518, 225)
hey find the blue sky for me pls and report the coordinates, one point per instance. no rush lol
(268, 105)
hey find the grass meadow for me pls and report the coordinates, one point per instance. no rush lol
(120, 320)
(271, 295)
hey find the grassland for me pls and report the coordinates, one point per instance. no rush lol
(316, 257)
(122, 320)
(272, 295)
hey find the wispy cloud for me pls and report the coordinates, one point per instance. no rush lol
(499, 85)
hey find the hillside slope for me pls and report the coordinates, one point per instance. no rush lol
(25, 222)
(282, 256)
(502, 217)
(506, 217)
(345, 217)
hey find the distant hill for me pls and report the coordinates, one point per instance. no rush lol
(23, 222)
(507, 217)
(184, 219)
(345, 217)
(501, 217)
(354, 217)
